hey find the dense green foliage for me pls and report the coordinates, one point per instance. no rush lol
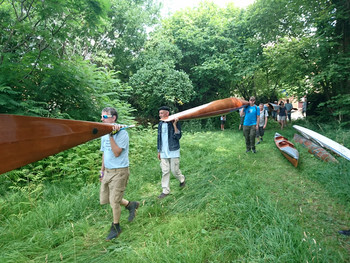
(60, 58)
(57, 57)
(272, 48)
(158, 82)
(236, 207)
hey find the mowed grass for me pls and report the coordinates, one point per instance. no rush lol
(236, 207)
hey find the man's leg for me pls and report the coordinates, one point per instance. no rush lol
(261, 132)
(246, 131)
(165, 166)
(116, 210)
(118, 180)
(117, 187)
(104, 191)
(175, 169)
(252, 137)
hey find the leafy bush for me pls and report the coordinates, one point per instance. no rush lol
(339, 107)
(76, 167)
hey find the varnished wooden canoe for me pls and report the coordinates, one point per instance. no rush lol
(315, 149)
(324, 141)
(25, 139)
(287, 149)
(212, 109)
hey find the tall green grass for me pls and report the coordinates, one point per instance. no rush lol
(236, 207)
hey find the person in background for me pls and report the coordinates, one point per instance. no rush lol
(275, 110)
(282, 115)
(303, 111)
(223, 120)
(289, 108)
(241, 111)
(250, 124)
(115, 171)
(262, 123)
(266, 107)
(168, 146)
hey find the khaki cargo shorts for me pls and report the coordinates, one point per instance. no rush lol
(113, 185)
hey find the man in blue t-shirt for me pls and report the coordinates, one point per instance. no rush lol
(250, 124)
(115, 171)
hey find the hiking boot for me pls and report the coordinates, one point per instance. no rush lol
(132, 207)
(114, 232)
(183, 184)
(344, 232)
(162, 195)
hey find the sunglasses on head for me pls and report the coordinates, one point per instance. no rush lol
(106, 116)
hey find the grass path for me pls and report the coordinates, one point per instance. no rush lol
(236, 207)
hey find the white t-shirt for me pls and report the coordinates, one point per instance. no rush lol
(263, 114)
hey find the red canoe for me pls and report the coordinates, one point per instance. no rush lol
(212, 109)
(25, 139)
(287, 149)
(315, 149)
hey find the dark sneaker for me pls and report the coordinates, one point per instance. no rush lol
(258, 143)
(114, 232)
(344, 232)
(183, 184)
(247, 151)
(162, 195)
(261, 139)
(254, 151)
(132, 207)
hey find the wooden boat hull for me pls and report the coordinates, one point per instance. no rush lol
(287, 149)
(324, 141)
(212, 109)
(25, 139)
(315, 149)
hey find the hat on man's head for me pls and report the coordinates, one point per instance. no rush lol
(164, 108)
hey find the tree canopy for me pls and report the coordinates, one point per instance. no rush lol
(64, 58)
(70, 58)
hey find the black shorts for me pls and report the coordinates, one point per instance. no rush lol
(260, 132)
